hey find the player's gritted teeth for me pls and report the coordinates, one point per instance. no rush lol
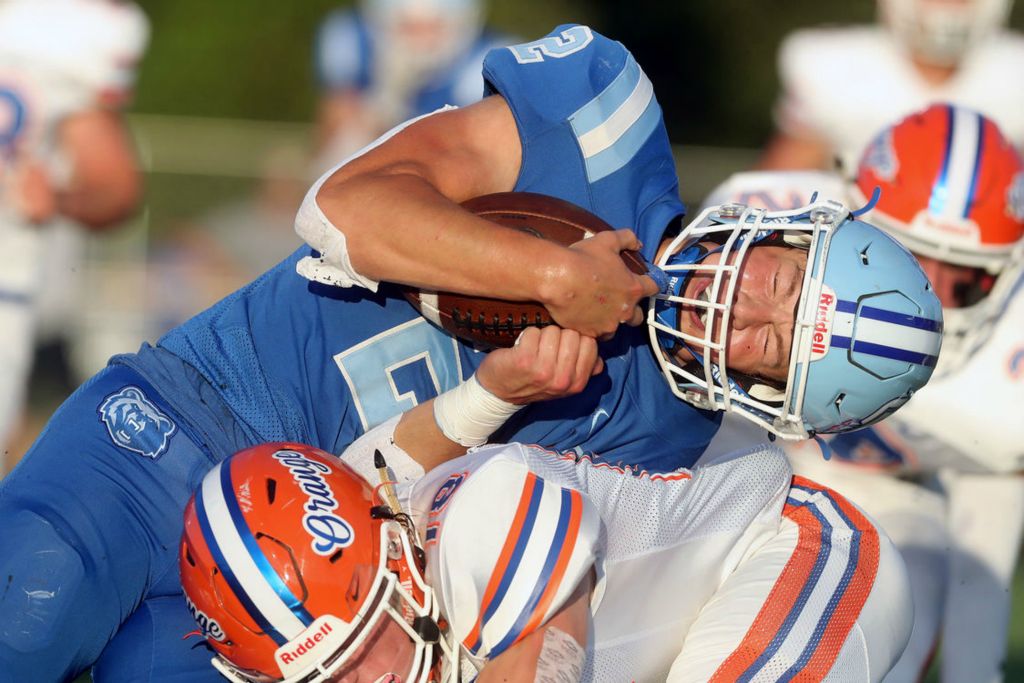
(699, 288)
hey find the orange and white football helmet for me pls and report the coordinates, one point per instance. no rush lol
(296, 569)
(952, 187)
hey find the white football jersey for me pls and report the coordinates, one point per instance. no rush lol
(846, 84)
(968, 417)
(510, 530)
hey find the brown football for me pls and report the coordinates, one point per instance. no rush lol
(497, 322)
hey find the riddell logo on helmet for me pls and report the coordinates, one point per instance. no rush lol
(821, 336)
(294, 651)
(962, 228)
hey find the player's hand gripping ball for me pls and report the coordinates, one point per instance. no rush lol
(496, 322)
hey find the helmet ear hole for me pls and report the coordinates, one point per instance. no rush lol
(839, 401)
(271, 490)
(864, 256)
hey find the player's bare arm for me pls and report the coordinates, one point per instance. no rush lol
(546, 363)
(104, 185)
(398, 208)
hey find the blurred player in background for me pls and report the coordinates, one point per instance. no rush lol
(952, 189)
(390, 60)
(66, 68)
(843, 85)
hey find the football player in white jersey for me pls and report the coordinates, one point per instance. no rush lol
(922, 51)
(66, 67)
(526, 564)
(952, 189)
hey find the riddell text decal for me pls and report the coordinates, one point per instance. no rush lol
(821, 336)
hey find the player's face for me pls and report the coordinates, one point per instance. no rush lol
(763, 310)
(386, 656)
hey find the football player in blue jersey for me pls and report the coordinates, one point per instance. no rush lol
(92, 515)
(389, 60)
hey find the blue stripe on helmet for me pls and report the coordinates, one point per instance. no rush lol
(262, 563)
(229, 575)
(905, 319)
(883, 351)
(939, 190)
(969, 204)
(844, 306)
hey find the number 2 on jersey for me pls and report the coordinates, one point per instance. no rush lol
(568, 42)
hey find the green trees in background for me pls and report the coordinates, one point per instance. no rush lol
(712, 61)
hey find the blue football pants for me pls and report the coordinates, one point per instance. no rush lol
(88, 530)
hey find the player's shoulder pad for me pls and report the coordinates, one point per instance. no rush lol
(342, 51)
(506, 548)
(554, 77)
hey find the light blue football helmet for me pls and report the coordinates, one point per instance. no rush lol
(867, 330)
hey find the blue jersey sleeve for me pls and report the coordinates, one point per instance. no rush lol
(548, 81)
(590, 127)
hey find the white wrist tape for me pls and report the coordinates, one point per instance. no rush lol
(359, 455)
(469, 414)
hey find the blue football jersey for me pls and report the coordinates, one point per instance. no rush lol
(592, 133)
(294, 360)
(347, 50)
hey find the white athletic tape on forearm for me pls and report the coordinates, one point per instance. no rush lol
(469, 414)
(561, 658)
(359, 455)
